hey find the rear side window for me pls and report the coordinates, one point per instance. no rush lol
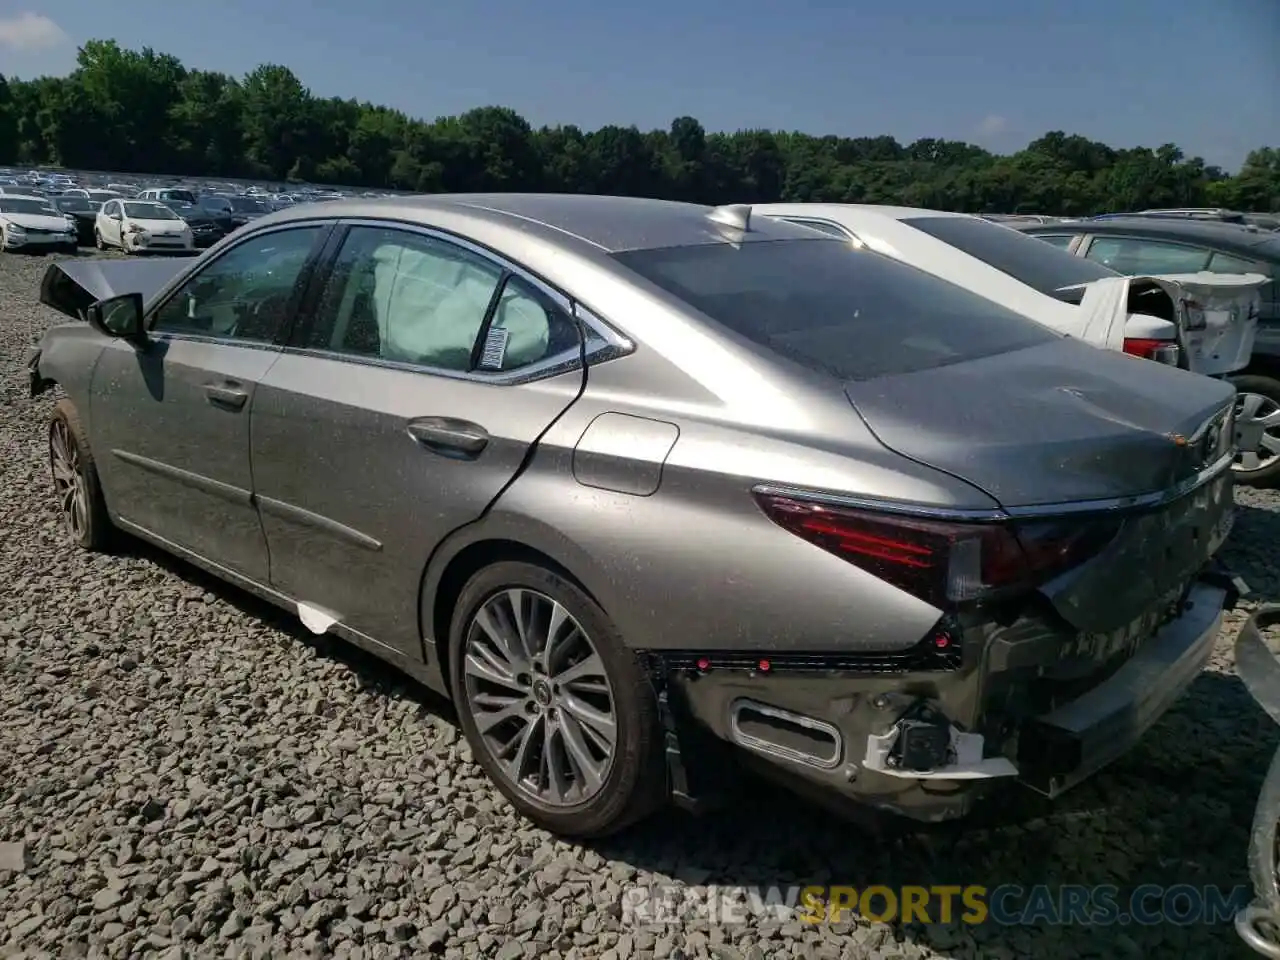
(848, 313)
(1225, 263)
(1133, 255)
(1027, 259)
(1056, 239)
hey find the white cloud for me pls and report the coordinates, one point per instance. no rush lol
(30, 32)
(992, 124)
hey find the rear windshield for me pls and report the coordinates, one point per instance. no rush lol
(75, 205)
(1039, 265)
(848, 313)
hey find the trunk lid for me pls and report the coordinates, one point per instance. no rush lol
(70, 286)
(1066, 423)
(1058, 423)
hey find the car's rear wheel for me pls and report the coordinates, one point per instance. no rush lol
(97, 239)
(75, 480)
(1258, 427)
(558, 711)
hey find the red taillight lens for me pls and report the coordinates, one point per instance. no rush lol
(941, 563)
(1161, 351)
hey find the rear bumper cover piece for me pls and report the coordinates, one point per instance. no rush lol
(847, 735)
(1258, 667)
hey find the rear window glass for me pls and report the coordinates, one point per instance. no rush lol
(1039, 265)
(851, 314)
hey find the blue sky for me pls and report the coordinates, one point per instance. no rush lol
(1205, 75)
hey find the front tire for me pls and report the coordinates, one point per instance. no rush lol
(75, 481)
(1258, 415)
(559, 712)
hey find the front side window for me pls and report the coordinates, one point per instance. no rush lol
(245, 293)
(1010, 251)
(852, 314)
(411, 298)
(1133, 255)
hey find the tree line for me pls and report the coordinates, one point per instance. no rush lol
(139, 111)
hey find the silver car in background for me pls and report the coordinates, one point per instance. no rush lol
(634, 481)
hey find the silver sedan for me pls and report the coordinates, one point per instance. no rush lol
(639, 484)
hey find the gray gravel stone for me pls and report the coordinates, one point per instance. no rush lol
(185, 772)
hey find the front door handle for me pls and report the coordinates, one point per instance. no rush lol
(450, 437)
(226, 395)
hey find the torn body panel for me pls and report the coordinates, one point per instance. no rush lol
(1214, 317)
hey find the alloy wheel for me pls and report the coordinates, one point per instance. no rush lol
(69, 484)
(540, 697)
(1257, 421)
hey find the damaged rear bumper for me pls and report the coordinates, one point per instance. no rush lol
(926, 743)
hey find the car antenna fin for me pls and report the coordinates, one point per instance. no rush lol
(736, 215)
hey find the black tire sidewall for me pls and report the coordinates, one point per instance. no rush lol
(636, 783)
(1268, 387)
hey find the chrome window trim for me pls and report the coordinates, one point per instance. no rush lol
(603, 343)
(567, 303)
(1045, 511)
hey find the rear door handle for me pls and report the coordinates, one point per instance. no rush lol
(226, 395)
(449, 436)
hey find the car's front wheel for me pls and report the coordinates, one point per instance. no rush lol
(1258, 430)
(75, 480)
(558, 711)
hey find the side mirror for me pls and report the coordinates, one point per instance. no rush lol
(119, 317)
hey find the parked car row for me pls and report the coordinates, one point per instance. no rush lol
(211, 211)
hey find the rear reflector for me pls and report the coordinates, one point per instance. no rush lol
(943, 563)
(1161, 351)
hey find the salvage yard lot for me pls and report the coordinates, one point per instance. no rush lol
(193, 774)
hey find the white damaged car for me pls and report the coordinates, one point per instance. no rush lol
(31, 223)
(142, 226)
(1202, 322)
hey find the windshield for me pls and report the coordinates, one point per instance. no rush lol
(41, 208)
(186, 196)
(1039, 265)
(74, 205)
(248, 205)
(149, 211)
(851, 314)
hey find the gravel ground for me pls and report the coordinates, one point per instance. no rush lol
(185, 772)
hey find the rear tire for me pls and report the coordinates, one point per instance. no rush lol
(1258, 396)
(75, 480)
(97, 240)
(577, 667)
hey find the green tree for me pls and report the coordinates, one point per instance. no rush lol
(140, 111)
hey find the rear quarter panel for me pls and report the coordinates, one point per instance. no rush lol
(696, 564)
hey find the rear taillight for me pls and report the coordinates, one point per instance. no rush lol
(1161, 351)
(943, 563)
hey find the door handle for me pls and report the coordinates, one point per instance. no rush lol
(226, 395)
(449, 437)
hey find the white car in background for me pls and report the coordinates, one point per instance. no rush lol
(142, 226)
(32, 223)
(1203, 322)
